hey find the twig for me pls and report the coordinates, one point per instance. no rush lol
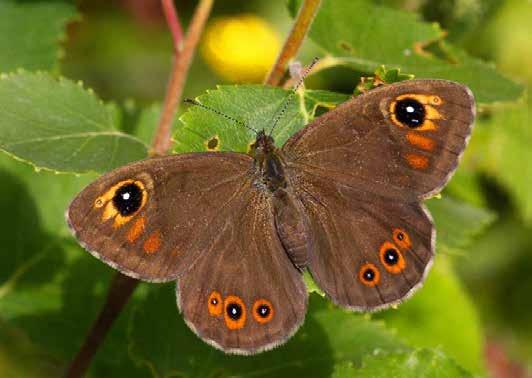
(172, 19)
(122, 287)
(119, 293)
(293, 41)
(161, 142)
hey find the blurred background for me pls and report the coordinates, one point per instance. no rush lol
(122, 50)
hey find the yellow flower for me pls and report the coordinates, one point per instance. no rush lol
(240, 48)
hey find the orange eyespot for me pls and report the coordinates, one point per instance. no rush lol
(234, 312)
(263, 311)
(215, 304)
(401, 238)
(122, 201)
(415, 111)
(392, 258)
(369, 275)
(435, 100)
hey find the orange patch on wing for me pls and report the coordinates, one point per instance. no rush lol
(376, 275)
(420, 141)
(262, 304)
(109, 212)
(422, 98)
(401, 238)
(231, 323)
(136, 230)
(153, 243)
(417, 161)
(399, 265)
(215, 304)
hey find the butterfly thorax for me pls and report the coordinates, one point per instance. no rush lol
(268, 163)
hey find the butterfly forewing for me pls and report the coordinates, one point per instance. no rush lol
(156, 237)
(401, 141)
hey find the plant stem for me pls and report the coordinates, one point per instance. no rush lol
(122, 287)
(162, 141)
(172, 19)
(294, 40)
(119, 293)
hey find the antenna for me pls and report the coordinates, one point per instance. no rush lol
(233, 119)
(291, 95)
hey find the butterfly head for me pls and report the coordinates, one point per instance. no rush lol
(263, 146)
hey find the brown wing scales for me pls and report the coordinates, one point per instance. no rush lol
(260, 296)
(184, 197)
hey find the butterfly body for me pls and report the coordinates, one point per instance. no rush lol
(342, 198)
(268, 163)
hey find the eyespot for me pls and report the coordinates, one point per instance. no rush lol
(234, 312)
(435, 100)
(392, 258)
(128, 198)
(215, 304)
(263, 311)
(369, 275)
(416, 111)
(401, 238)
(122, 201)
(409, 112)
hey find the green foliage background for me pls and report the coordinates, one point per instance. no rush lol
(57, 135)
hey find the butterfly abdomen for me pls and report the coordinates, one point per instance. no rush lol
(292, 227)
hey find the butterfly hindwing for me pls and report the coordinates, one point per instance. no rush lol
(369, 252)
(244, 295)
(166, 218)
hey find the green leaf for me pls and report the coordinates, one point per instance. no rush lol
(161, 342)
(146, 123)
(497, 270)
(421, 363)
(59, 126)
(501, 148)
(382, 75)
(256, 106)
(345, 369)
(363, 35)
(441, 315)
(457, 223)
(30, 33)
(19, 357)
(59, 189)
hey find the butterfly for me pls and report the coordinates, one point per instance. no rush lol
(341, 198)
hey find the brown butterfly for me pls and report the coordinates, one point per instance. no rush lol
(342, 198)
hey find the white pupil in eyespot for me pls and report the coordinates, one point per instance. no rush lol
(233, 311)
(126, 196)
(410, 109)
